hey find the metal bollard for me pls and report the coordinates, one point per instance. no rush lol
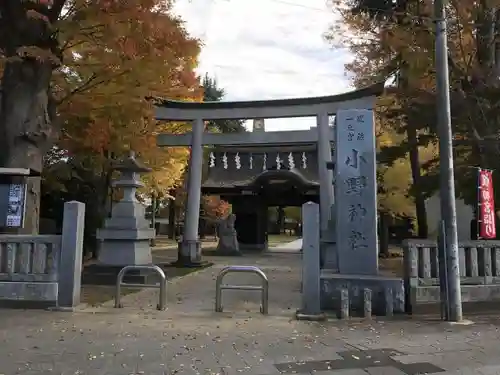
(367, 303)
(163, 284)
(389, 302)
(344, 304)
(264, 288)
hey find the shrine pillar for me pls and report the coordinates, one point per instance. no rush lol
(262, 226)
(326, 194)
(190, 247)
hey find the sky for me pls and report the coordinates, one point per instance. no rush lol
(268, 49)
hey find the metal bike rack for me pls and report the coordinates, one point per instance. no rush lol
(162, 286)
(264, 288)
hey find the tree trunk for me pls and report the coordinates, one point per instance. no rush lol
(25, 126)
(384, 234)
(202, 229)
(171, 218)
(417, 178)
(154, 205)
(106, 185)
(411, 132)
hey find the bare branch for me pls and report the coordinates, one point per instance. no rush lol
(92, 82)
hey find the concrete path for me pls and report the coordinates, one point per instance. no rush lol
(190, 338)
(289, 247)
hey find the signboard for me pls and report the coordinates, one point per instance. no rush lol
(12, 202)
(486, 205)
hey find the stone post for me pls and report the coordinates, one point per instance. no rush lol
(367, 303)
(190, 248)
(311, 306)
(344, 308)
(70, 267)
(326, 193)
(389, 302)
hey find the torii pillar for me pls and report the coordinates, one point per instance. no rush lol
(189, 253)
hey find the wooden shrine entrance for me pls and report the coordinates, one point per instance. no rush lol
(257, 177)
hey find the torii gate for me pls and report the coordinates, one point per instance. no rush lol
(320, 107)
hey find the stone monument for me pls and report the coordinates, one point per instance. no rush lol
(125, 238)
(356, 219)
(356, 192)
(228, 241)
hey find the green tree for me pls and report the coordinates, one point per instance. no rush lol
(214, 93)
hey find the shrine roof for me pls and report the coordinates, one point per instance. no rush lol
(231, 176)
(241, 179)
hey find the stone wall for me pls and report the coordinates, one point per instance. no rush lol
(44, 270)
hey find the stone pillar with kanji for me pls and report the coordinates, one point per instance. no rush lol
(356, 193)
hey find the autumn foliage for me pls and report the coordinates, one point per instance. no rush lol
(121, 53)
(112, 55)
(215, 208)
(395, 41)
(82, 70)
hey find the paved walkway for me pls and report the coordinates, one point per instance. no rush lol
(290, 247)
(189, 338)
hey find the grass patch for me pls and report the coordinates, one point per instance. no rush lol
(96, 295)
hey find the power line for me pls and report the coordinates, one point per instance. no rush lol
(271, 71)
(291, 4)
(292, 73)
(300, 6)
(388, 12)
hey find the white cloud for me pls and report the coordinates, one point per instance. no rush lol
(268, 49)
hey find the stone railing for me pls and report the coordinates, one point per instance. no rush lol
(44, 270)
(479, 267)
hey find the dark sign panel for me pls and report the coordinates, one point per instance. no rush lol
(12, 202)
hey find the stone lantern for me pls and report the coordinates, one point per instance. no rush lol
(125, 238)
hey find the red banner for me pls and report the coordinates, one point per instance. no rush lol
(487, 226)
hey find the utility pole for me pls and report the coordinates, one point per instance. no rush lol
(447, 179)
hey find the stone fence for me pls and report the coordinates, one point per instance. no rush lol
(44, 270)
(479, 266)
